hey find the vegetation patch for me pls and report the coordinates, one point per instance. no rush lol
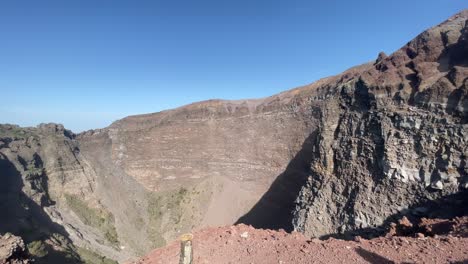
(97, 218)
(165, 211)
(37, 249)
(172, 213)
(53, 248)
(42, 252)
(33, 172)
(155, 214)
(15, 132)
(91, 257)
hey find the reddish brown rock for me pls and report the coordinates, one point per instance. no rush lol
(214, 245)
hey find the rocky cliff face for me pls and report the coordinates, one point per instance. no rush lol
(392, 138)
(48, 196)
(201, 165)
(341, 155)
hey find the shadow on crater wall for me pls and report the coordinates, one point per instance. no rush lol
(274, 209)
(22, 217)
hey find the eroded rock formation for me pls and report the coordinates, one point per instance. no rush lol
(391, 138)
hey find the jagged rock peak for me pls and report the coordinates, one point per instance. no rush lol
(381, 57)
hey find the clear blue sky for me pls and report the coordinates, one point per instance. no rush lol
(86, 63)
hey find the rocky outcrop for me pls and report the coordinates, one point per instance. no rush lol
(48, 197)
(13, 250)
(392, 138)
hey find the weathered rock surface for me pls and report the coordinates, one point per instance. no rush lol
(392, 138)
(13, 250)
(48, 197)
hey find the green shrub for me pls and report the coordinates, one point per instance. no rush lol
(97, 218)
(45, 253)
(155, 207)
(169, 205)
(111, 235)
(37, 249)
(90, 257)
(14, 132)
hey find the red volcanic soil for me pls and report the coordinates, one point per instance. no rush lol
(245, 244)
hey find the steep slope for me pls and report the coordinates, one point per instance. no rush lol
(393, 138)
(208, 164)
(47, 197)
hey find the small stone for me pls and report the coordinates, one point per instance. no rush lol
(420, 235)
(405, 222)
(245, 234)
(314, 240)
(358, 238)
(438, 185)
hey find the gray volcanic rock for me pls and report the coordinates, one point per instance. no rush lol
(391, 138)
(48, 194)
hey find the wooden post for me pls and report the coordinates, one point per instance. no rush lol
(186, 251)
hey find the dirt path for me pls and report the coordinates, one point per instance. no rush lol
(244, 244)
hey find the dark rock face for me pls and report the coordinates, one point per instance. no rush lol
(394, 136)
(41, 169)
